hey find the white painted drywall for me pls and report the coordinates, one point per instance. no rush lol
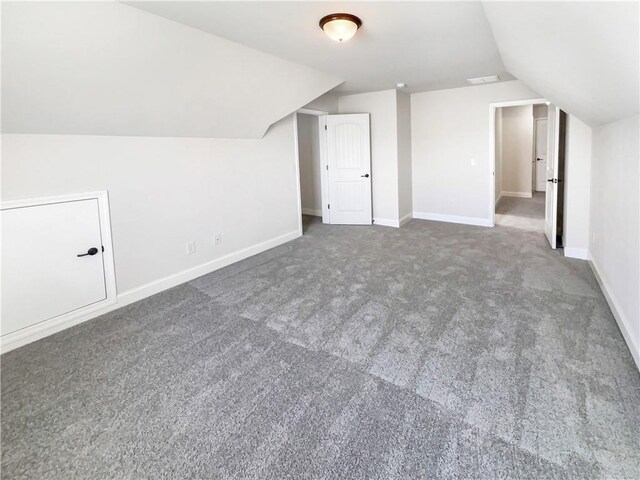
(577, 185)
(165, 192)
(498, 154)
(449, 128)
(540, 111)
(582, 56)
(405, 203)
(310, 165)
(105, 68)
(517, 150)
(615, 215)
(326, 103)
(384, 148)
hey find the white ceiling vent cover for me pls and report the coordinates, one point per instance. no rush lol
(481, 80)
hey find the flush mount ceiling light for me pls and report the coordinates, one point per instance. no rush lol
(401, 85)
(340, 26)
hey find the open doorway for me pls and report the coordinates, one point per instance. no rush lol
(528, 141)
(520, 142)
(334, 168)
(310, 168)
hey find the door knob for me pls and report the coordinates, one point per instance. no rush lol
(539, 159)
(366, 175)
(91, 251)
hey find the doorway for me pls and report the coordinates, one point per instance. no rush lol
(309, 168)
(334, 168)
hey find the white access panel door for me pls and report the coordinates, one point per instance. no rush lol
(541, 155)
(551, 197)
(42, 274)
(349, 169)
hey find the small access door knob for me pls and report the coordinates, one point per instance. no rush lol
(91, 251)
(366, 175)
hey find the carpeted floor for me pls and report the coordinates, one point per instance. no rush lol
(522, 213)
(430, 351)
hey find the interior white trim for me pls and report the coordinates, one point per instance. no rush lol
(44, 329)
(634, 348)
(515, 194)
(312, 211)
(386, 222)
(492, 149)
(480, 222)
(406, 218)
(581, 253)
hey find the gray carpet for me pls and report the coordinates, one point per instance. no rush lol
(431, 351)
(523, 213)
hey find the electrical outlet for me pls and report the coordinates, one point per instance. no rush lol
(217, 240)
(191, 248)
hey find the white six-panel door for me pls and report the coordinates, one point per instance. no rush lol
(349, 169)
(43, 276)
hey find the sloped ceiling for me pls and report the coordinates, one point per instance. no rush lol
(582, 56)
(427, 45)
(105, 68)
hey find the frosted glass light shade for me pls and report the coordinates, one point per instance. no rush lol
(340, 26)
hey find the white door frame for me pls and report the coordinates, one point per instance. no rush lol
(60, 322)
(296, 167)
(492, 148)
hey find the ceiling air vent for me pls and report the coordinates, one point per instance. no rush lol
(481, 80)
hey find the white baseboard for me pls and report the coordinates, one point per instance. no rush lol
(311, 211)
(481, 222)
(517, 194)
(24, 336)
(498, 199)
(406, 218)
(581, 253)
(385, 222)
(617, 314)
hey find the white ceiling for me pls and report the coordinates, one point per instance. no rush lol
(427, 45)
(582, 56)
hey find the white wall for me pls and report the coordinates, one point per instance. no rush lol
(577, 184)
(404, 156)
(540, 111)
(449, 128)
(517, 150)
(165, 192)
(615, 215)
(310, 164)
(384, 149)
(105, 68)
(327, 103)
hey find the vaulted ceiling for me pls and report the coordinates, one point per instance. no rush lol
(105, 68)
(427, 45)
(231, 69)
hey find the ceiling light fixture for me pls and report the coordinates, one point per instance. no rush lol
(340, 26)
(401, 85)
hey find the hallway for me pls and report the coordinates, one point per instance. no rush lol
(521, 213)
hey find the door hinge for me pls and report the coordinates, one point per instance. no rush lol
(327, 167)
(328, 206)
(325, 127)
